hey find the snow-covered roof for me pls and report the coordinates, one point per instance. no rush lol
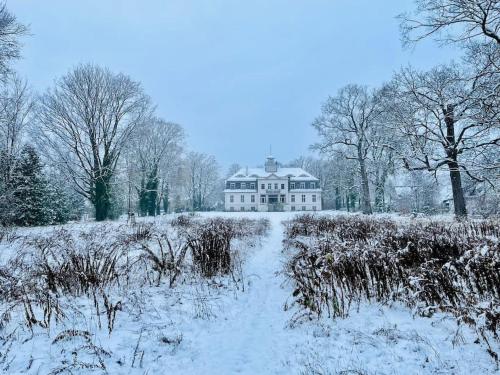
(251, 174)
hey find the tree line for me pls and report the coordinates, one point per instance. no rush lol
(101, 142)
(423, 122)
(94, 136)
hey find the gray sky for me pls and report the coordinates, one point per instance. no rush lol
(238, 75)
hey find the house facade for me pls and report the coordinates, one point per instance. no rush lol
(272, 188)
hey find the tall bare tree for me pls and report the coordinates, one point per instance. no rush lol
(202, 180)
(154, 151)
(445, 125)
(10, 46)
(346, 127)
(85, 121)
(16, 109)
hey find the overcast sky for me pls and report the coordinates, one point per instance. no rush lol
(238, 75)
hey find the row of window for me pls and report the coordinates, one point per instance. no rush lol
(303, 198)
(243, 208)
(303, 208)
(251, 185)
(263, 198)
(302, 185)
(253, 208)
(242, 199)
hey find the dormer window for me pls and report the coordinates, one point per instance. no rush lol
(302, 185)
(232, 185)
(292, 185)
(252, 185)
(243, 185)
(313, 185)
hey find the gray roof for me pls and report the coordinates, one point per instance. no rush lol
(250, 174)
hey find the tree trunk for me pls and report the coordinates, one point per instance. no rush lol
(102, 201)
(458, 192)
(366, 206)
(338, 198)
(380, 198)
(451, 153)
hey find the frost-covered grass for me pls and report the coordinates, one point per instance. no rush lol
(138, 299)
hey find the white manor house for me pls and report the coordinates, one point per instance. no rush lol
(272, 188)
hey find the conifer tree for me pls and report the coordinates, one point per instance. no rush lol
(30, 190)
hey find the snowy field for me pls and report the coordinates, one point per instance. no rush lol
(238, 324)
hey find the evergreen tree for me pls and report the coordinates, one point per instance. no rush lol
(30, 190)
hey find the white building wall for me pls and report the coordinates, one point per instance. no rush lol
(237, 203)
(248, 205)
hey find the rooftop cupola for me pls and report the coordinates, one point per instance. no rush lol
(271, 165)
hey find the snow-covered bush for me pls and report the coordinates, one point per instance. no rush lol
(210, 240)
(80, 283)
(429, 266)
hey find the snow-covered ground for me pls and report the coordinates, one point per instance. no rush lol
(222, 328)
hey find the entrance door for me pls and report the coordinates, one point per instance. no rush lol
(272, 199)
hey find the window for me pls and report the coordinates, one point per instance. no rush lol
(242, 208)
(303, 208)
(293, 198)
(231, 208)
(302, 185)
(313, 185)
(232, 185)
(262, 199)
(269, 187)
(252, 185)
(314, 208)
(243, 185)
(282, 186)
(314, 198)
(252, 198)
(275, 186)
(253, 208)
(231, 199)
(293, 208)
(242, 199)
(262, 186)
(303, 198)
(292, 185)
(282, 198)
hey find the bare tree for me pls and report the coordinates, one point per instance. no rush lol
(10, 32)
(346, 127)
(453, 20)
(154, 150)
(16, 109)
(438, 113)
(202, 180)
(85, 121)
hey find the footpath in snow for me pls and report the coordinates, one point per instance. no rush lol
(251, 336)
